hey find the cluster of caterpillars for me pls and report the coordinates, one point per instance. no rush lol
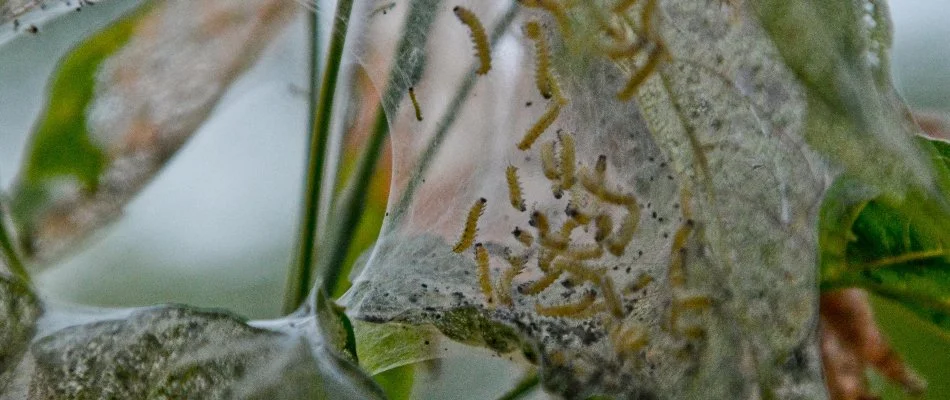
(593, 202)
(626, 35)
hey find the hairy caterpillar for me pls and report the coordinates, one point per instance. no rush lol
(628, 339)
(415, 103)
(548, 163)
(579, 269)
(567, 160)
(642, 281)
(653, 60)
(610, 296)
(575, 213)
(585, 251)
(522, 236)
(484, 275)
(482, 48)
(542, 72)
(566, 310)
(514, 188)
(540, 126)
(540, 222)
(604, 224)
(516, 266)
(617, 243)
(623, 5)
(471, 225)
(539, 285)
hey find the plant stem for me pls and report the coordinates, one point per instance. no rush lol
(302, 274)
(351, 205)
(529, 382)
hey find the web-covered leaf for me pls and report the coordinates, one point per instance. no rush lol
(673, 246)
(121, 104)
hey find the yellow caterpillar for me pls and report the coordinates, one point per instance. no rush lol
(516, 265)
(566, 310)
(484, 275)
(522, 236)
(567, 160)
(542, 72)
(540, 126)
(415, 103)
(653, 60)
(538, 286)
(471, 226)
(617, 243)
(514, 188)
(482, 48)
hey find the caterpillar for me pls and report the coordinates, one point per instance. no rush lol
(556, 9)
(579, 269)
(585, 251)
(516, 266)
(677, 252)
(567, 160)
(556, 242)
(623, 5)
(540, 222)
(539, 285)
(575, 213)
(523, 236)
(617, 243)
(548, 163)
(484, 275)
(514, 188)
(628, 339)
(657, 54)
(610, 296)
(471, 225)
(545, 258)
(566, 310)
(540, 126)
(642, 281)
(415, 103)
(542, 72)
(604, 224)
(482, 48)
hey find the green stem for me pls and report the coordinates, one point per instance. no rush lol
(302, 274)
(351, 205)
(528, 383)
(9, 251)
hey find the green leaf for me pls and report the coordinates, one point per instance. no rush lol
(887, 248)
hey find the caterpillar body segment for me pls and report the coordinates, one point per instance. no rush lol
(555, 241)
(657, 54)
(514, 188)
(415, 103)
(589, 251)
(614, 305)
(695, 301)
(545, 258)
(642, 281)
(579, 269)
(575, 213)
(540, 221)
(617, 243)
(516, 266)
(604, 226)
(567, 310)
(471, 226)
(539, 285)
(628, 339)
(543, 123)
(542, 72)
(677, 253)
(567, 160)
(524, 237)
(484, 275)
(548, 161)
(480, 39)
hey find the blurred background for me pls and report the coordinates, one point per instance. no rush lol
(216, 228)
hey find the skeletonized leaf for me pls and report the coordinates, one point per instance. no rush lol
(121, 106)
